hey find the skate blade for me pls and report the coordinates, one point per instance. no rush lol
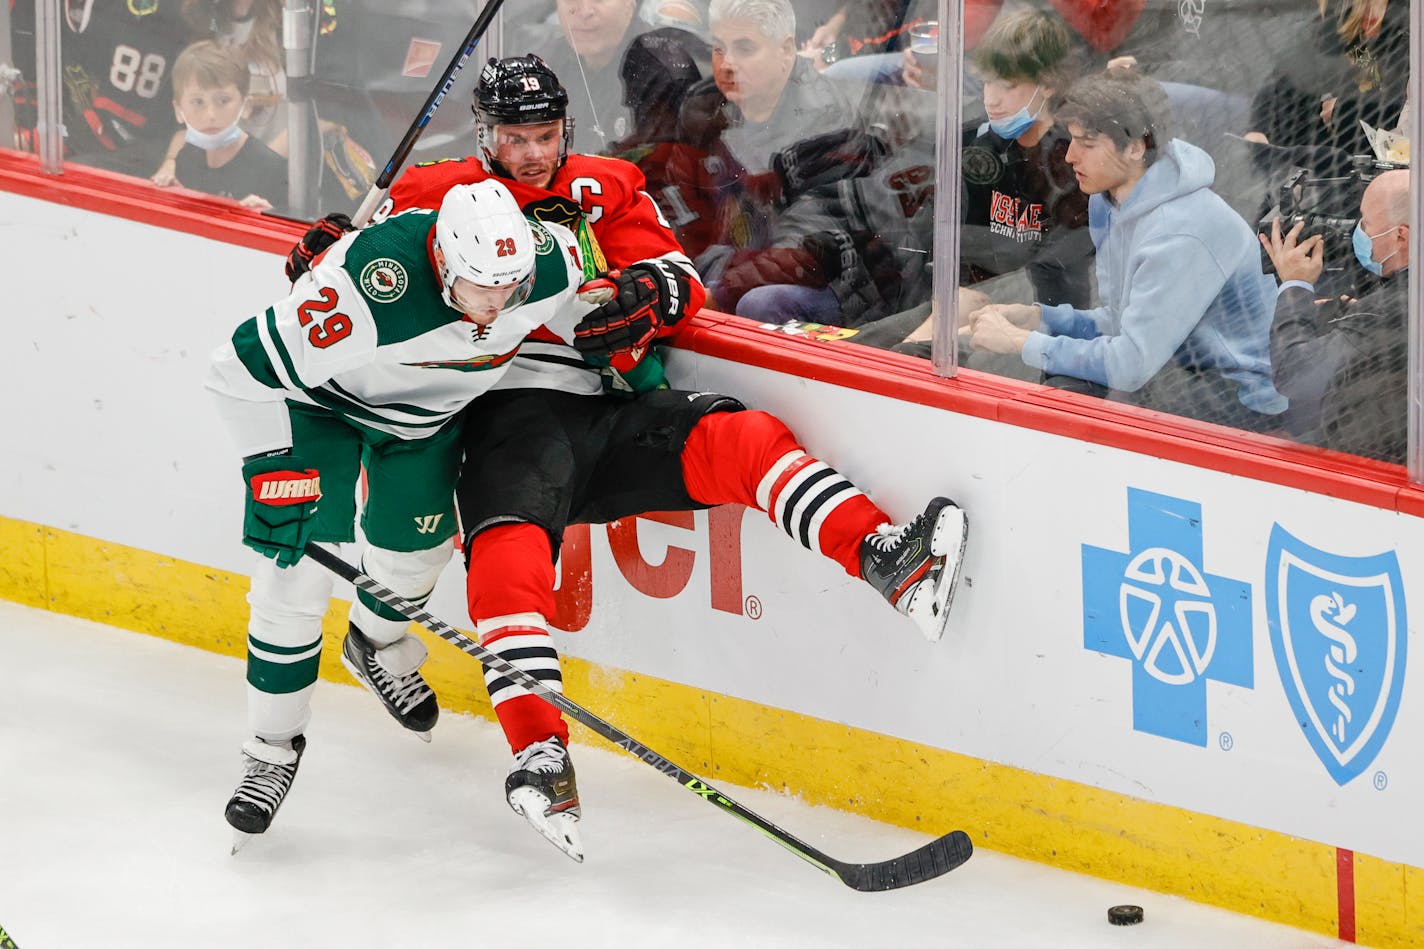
(239, 839)
(561, 830)
(951, 531)
(351, 668)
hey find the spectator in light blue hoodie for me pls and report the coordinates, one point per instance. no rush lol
(1184, 325)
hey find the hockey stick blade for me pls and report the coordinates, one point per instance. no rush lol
(934, 859)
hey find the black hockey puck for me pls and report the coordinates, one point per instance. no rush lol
(1125, 915)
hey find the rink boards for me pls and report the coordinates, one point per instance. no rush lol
(1181, 667)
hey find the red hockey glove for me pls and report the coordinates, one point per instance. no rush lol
(318, 238)
(281, 507)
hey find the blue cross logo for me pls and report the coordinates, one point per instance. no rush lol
(1157, 606)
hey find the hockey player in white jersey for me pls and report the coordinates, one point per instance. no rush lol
(368, 362)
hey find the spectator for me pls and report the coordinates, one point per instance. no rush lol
(657, 74)
(762, 99)
(595, 37)
(1021, 206)
(863, 39)
(252, 31)
(1185, 318)
(116, 62)
(1227, 45)
(210, 88)
(1352, 65)
(1344, 365)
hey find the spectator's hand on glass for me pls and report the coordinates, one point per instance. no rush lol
(1257, 137)
(1293, 258)
(256, 202)
(167, 174)
(1122, 62)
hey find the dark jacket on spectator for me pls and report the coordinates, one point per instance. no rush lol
(1022, 209)
(1345, 370)
(255, 169)
(1370, 79)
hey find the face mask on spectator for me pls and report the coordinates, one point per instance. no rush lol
(207, 142)
(1015, 125)
(1365, 248)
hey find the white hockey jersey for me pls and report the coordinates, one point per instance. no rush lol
(367, 336)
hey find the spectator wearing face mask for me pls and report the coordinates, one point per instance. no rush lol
(210, 88)
(1022, 207)
(1344, 364)
(1185, 317)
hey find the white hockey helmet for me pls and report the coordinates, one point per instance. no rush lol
(484, 238)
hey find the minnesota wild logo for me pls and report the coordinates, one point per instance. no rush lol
(543, 240)
(384, 280)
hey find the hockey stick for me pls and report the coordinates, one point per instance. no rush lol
(933, 859)
(382, 184)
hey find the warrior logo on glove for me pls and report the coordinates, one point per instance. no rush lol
(634, 304)
(282, 494)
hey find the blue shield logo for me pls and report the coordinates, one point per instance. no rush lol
(1339, 632)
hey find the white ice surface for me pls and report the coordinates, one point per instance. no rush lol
(118, 751)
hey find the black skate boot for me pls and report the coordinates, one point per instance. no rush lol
(916, 565)
(269, 768)
(402, 690)
(541, 788)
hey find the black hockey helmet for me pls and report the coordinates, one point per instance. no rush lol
(518, 90)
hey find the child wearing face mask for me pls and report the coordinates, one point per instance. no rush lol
(210, 88)
(1022, 208)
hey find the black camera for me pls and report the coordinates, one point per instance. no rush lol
(1329, 207)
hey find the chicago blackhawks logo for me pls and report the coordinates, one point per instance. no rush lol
(384, 280)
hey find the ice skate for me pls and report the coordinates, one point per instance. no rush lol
(392, 673)
(916, 566)
(268, 771)
(541, 788)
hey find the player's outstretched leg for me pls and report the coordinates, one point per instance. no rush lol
(392, 673)
(916, 566)
(542, 789)
(268, 770)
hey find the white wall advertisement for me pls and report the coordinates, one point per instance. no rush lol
(1178, 635)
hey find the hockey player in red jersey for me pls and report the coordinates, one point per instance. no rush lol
(548, 447)
(522, 132)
